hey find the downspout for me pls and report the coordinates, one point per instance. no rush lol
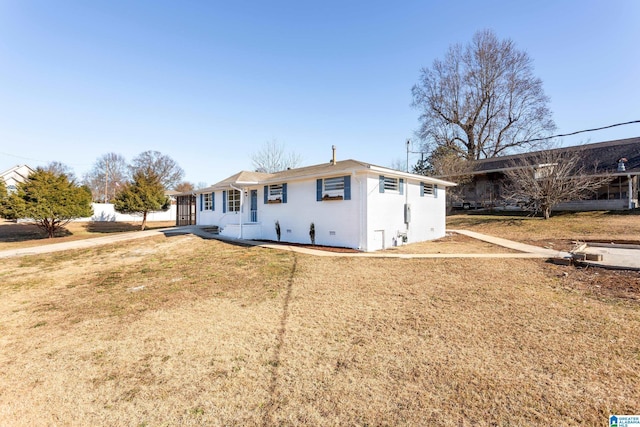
(406, 202)
(240, 216)
(363, 224)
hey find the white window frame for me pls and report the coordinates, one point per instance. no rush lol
(391, 184)
(233, 200)
(276, 192)
(208, 202)
(428, 189)
(333, 187)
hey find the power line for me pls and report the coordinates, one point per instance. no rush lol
(582, 131)
(41, 161)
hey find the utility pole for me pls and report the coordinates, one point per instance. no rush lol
(106, 181)
(408, 143)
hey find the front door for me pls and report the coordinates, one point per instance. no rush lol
(254, 205)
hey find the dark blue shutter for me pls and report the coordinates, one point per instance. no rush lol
(201, 201)
(318, 190)
(284, 193)
(347, 187)
(435, 190)
(224, 201)
(381, 184)
(401, 187)
(266, 194)
(213, 201)
(422, 189)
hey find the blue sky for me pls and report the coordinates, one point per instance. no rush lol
(208, 83)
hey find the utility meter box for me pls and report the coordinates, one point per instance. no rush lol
(407, 213)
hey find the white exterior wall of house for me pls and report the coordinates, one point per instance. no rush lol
(336, 221)
(386, 218)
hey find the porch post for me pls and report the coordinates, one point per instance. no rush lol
(630, 191)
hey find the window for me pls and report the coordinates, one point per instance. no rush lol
(208, 202)
(338, 188)
(276, 193)
(391, 185)
(233, 201)
(428, 189)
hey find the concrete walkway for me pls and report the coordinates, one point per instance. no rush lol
(522, 247)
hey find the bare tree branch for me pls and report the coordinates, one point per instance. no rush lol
(549, 178)
(273, 158)
(483, 99)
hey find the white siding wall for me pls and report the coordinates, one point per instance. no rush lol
(386, 213)
(336, 222)
(217, 217)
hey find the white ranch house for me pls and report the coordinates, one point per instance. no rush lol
(351, 204)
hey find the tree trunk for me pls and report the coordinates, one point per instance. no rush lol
(547, 212)
(144, 220)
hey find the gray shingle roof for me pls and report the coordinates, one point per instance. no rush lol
(605, 154)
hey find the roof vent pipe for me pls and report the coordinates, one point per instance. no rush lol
(333, 158)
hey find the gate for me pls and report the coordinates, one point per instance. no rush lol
(186, 210)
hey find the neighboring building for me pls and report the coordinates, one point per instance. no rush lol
(619, 159)
(15, 175)
(350, 203)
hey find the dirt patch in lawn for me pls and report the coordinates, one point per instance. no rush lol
(598, 282)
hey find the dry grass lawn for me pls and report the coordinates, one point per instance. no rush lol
(185, 331)
(558, 230)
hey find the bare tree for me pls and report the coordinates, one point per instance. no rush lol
(272, 157)
(544, 180)
(184, 187)
(449, 164)
(59, 168)
(108, 174)
(398, 164)
(482, 100)
(167, 169)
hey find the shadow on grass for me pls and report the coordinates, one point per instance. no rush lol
(111, 227)
(624, 212)
(13, 232)
(489, 217)
(122, 227)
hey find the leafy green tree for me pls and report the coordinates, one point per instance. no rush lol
(422, 167)
(4, 197)
(50, 200)
(144, 194)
